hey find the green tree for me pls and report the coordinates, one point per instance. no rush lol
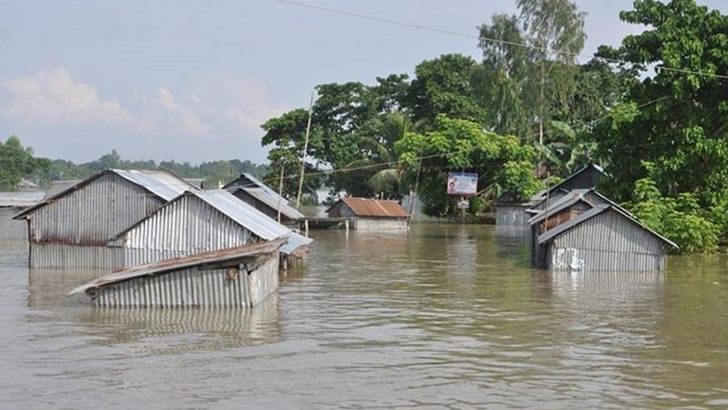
(17, 162)
(504, 166)
(444, 86)
(528, 73)
(677, 109)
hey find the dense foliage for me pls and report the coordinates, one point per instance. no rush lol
(503, 164)
(17, 162)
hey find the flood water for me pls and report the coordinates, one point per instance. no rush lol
(444, 317)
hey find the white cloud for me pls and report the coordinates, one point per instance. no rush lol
(163, 114)
(243, 102)
(225, 108)
(53, 97)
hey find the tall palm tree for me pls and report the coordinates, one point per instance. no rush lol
(379, 143)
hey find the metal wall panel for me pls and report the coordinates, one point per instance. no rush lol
(607, 242)
(93, 214)
(511, 215)
(9, 228)
(194, 287)
(61, 256)
(380, 224)
(186, 226)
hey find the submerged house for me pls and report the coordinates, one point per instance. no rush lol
(197, 222)
(371, 214)
(11, 203)
(71, 228)
(568, 207)
(586, 178)
(513, 212)
(253, 191)
(236, 277)
(603, 238)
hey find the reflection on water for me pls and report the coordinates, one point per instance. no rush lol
(444, 316)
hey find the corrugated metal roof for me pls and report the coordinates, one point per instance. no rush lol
(272, 202)
(175, 264)
(575, 174)
(548, 236)
(378, 208)
(253, 182)
(293, 242)
(245, 215)
(161, 183)
(570, 199)
(20, 199)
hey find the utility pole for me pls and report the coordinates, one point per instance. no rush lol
(280, 191)
(305, 150)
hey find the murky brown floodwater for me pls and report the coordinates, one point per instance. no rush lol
(445, 317)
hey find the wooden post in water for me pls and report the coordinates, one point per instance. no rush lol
(305, 225)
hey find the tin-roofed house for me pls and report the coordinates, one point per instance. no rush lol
(371, 214)
(604, 238)
(197, 222)
(11, 203)
(253, 191)
(236, 277)
(512, 212)
(71, 228)
(560, 211)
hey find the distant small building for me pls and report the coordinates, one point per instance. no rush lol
(237, 277)
(197, 182)
(71, 228)
(511, 211)
(254, 192)
(197, 222)
(26, 185)
(371, 214)
(603, 238)
(11, 203)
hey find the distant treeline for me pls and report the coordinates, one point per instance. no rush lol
(18, 162)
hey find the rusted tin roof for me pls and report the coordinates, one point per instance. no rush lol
(171, 265)
(377, 208)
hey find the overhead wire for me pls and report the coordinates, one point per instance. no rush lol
(487, 39)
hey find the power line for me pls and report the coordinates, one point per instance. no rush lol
(488, 39)
(445, 154)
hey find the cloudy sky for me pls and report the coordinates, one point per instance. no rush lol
(193, 80)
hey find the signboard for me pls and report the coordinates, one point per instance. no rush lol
(462, 183)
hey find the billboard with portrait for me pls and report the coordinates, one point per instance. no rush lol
(462, 183)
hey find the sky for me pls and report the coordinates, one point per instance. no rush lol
(194, 80)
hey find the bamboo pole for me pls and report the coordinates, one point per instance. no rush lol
(305, 150)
